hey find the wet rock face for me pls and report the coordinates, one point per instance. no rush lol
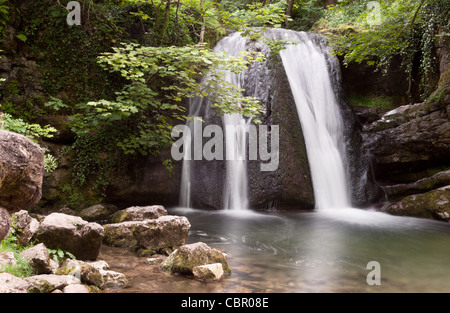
(410, 139)
(153, 184)
(433, 204)
(290, 184)
(21, 172)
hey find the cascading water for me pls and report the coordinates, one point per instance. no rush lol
(235, 126)
(320, 117)
(235, 193)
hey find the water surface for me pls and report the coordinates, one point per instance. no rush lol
(320, 251)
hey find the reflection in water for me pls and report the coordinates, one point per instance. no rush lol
(321, 251)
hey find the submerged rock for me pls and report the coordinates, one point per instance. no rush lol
(187, 257)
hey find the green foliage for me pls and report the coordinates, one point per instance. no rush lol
(262, 15)
(11, 244)
(67, 54)
(32, 131)
(59, 255)
(4, 16)
(405, 28)
(159, 79)
(381, 102)
(305, 14)
(344, 12)
(56, 104)
(50, 161)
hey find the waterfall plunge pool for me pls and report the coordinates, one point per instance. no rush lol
(293, 252)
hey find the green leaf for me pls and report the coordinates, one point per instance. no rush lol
(21, 37)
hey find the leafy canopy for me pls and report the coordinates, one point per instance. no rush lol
(159, 79)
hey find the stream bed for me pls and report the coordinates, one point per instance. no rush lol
(291, 252)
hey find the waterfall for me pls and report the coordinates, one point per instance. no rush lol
(235, 193)
(235, 130)
(306, 67)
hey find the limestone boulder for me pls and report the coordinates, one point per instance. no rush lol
(408, 140)
(187, 257)
(208, 272)
(72, 234)
(7, 258)
(47, 283)
(25, 226)
(98, 212)
(21, 172)
(39, 259)
(150, 236)
(136, 213)
(431, 204)
(87, 273)
(110, 278)
(12, 284)
(5, 223)
(76, 288)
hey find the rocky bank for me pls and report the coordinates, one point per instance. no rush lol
(75, 268)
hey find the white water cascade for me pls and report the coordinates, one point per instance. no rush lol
(235, 129)
(320, 117)
(236, 189)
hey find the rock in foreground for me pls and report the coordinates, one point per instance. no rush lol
(151, 236)
(432, 204)
(5, 223)
(187, 257)
(39, 258)
(72, 234)
(21, 172)
(12, 284)
(136, 213)
(208, 272)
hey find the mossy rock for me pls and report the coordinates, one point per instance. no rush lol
(433, 204)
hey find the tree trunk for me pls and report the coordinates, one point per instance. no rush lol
(203, 29)
(289, 11)
(166, 19)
